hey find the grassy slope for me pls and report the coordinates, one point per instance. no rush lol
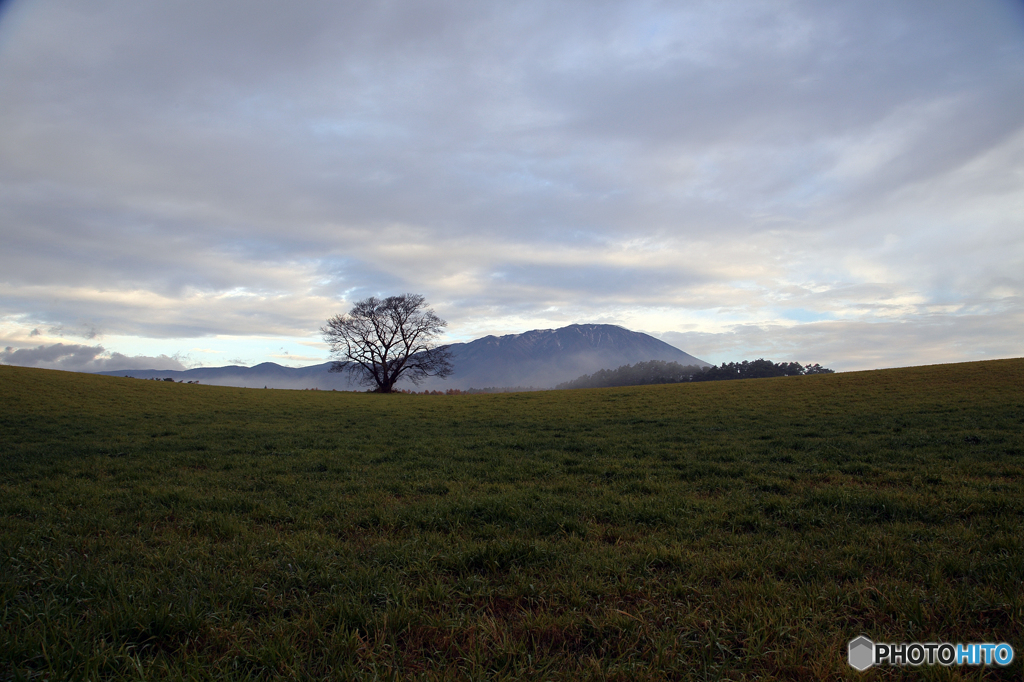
(744, 529)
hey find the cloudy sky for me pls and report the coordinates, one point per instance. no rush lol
(193, 183)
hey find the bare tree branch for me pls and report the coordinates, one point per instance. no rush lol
(382, 341)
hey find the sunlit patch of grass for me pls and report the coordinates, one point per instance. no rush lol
(740, 530)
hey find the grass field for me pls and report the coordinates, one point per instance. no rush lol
(730, 530)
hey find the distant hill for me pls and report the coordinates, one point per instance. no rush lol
(540, 358)
(546, 357)
(269, 374)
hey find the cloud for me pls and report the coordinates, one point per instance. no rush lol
(81, 358)
(245, 169)
(846, 345)
(58, 353)
(118, 361)
(84, 330)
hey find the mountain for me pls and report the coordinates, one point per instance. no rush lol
(540, 358)
(545, 357)
(269, 374)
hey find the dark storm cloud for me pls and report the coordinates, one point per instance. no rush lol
(73, 355)
(79, 358)
(239, 168)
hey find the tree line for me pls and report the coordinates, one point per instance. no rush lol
(663, 372)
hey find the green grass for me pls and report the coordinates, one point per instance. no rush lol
(736, 530)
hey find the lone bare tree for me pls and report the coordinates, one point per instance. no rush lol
(380, 341)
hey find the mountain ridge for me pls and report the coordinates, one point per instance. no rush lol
(539, 358)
